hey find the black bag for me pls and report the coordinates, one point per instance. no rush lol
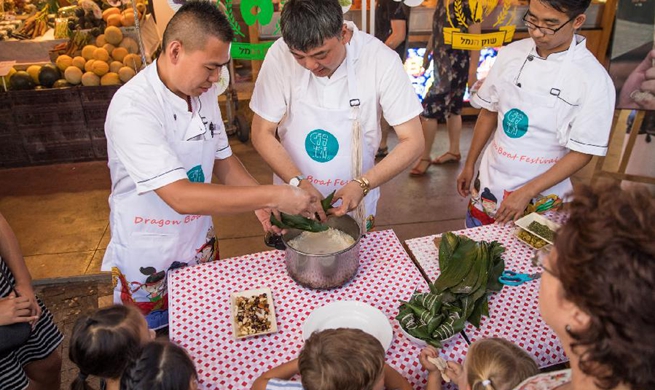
(15, 335)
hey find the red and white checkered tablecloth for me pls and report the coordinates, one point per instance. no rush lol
(199, 299)
(515, 310)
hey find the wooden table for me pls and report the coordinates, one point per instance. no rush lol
(514, 312)
(200, 311)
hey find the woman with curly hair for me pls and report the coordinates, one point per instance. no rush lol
(597, 292)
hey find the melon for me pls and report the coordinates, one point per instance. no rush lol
(110, 11)
(126, 73)
(20, 81)
(87, 52)
(79, 62)
(130, 44)
(110, 78)
(119, 53)
(63, 62)
(61, 83)
(89, 65)
(101, 54)
(127, 19)
(109, 47)
(49, 75)
(114, 20)
(115, 66)
(133, 61)
(90, 79)
(113, 35)
(33, 71)
(73, 75)
(100, 40)
(100, 68)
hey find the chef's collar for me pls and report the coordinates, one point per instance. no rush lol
(558, 56)
(176, 102)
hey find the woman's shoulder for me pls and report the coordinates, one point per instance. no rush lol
(545, 381)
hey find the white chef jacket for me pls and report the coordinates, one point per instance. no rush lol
(383, 85)
(587, 94)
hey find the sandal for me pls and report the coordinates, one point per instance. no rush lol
(447, 158)
(420, 172)
(382, 152)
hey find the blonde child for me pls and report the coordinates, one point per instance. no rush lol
(336, 359)
(491, 364)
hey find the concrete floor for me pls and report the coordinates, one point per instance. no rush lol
(60, 212)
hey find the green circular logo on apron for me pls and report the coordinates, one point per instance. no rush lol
(196, 175)
(515, 123)
(321, 146)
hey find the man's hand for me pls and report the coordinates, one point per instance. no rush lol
(317, 206)
(464, 181)
(15, 309)
(513, 206)
(264, 217)
(351, 195)
(294, 200)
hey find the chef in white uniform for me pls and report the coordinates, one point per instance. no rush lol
(165, 141)
(322, 90)
(551, 104)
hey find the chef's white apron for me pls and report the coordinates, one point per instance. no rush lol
(149, 237)
(320, 141)
(527, 142)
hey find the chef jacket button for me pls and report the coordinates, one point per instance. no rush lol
(530, 57)
(518, 85)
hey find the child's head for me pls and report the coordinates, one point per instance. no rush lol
(497, 364)
(162, 365)
(103, 343)
(343, 359)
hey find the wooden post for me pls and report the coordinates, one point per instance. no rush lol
(607, 24)
(253, 32)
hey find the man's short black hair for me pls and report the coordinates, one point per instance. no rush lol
(572, 8)
(194, 22)
(306, 24)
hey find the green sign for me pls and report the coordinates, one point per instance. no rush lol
(249, 51)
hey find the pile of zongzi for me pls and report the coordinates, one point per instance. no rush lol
(469, 271)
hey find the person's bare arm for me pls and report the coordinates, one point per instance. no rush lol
(484, 127)
(272, 151)
(409, 149)
(283, 371)
(513, 205)
(11, 254)
(428, 50)
(393, 380)
(398, 33)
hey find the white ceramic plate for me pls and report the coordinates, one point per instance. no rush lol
(419, 342)
(350, 314)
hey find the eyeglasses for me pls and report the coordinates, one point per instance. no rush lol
(545, 30)
(539, 257)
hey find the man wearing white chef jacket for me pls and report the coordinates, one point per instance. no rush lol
(165, 140)
(551, 104)
(322, 89)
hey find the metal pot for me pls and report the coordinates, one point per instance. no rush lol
(321, 271)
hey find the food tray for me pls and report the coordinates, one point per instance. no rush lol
(534, 217)
(251, 294)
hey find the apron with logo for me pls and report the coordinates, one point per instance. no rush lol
(526, 144)
(320, 142)
(150, 238)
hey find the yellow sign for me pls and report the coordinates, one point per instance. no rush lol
(479, 9)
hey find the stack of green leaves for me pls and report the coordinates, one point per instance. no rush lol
(299, 222)
(469, 272)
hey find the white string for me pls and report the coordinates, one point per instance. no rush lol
(360, 211)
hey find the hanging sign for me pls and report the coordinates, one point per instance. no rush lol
(479, 9)
(252, 12)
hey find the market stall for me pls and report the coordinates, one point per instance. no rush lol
(60, 69)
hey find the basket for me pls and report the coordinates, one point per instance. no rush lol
(13, 152)
(55, 134)
(45, 98)
(71, 151)
(102, 94)
(59, 116)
